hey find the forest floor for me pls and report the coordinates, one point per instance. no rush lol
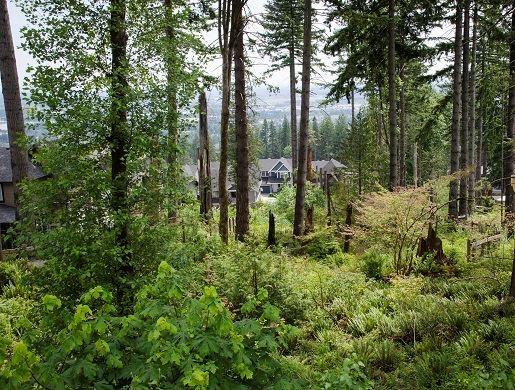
(355, 322)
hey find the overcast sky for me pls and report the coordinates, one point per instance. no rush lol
(255, 8)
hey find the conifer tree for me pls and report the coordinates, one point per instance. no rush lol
(456, 108)
(282, 39)
(298, 222)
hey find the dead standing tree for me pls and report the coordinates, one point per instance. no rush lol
(12, 101)
(204, 168)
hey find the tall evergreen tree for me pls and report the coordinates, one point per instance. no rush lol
(464, 129)
(282, 37)
(298, 222)
(285, 137)
(392, 96)
(241, 127)
(264, 139)
(273, 141)
(456, 110)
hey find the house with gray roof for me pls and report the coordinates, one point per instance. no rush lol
(7, 205)
(271, 175)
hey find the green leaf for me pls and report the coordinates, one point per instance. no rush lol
(51, 302)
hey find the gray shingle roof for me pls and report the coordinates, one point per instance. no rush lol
(6, 175)
(7, 214)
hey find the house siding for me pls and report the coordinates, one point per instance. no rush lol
(8, 194)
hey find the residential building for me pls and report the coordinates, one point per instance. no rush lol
(271, 175)
(7, 204)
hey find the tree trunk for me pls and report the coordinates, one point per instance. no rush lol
(12, 102)
(226, 42)
(415, 164)
(472, 117)
(293, 112)
(464, 155)
(328, 198)
(510, 131)
(402, 135)
(360, 142)
(456, 109)
(304, 123)
(172, 116)
(271, 230)
(242, 138)
(348, 224)
(480, 124)
(204, 176)
(393, 180)
(119, 130)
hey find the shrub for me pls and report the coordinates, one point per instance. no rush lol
(373, 265)
(170, 341)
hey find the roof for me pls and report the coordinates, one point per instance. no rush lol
(6, 174)
(7, 214)
(327, 165)
(267, 164)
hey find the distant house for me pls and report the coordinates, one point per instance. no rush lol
(7, 205)
(272, 175)
(191, 173)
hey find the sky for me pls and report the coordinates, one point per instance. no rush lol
(255, 7)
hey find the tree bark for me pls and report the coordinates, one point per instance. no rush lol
(203, 160)
(304, 123)
(472, 117)
(360, 142)
(464, 130)
(393, 180)
(242, 138)
(12, 102)
(415, 164)
(293, 111)
(226, 42)
(119, 130)
(510, 131)
(402, 135)
(271, 230)
(456, 109)
(172, 116)
(480, 124)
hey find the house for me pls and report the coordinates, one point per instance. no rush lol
(7, 205)
(191, 173)
(272, 174)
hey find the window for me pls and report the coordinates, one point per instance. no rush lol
(1, 193)
(264, 173)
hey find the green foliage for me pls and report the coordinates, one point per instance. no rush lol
(374, 264)
(285, 204)
(170, 339)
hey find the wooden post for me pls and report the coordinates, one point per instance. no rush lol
(469, 248)
(348, 223)
(328, 196)
(271, 230)
(308, 223)
(321, 176)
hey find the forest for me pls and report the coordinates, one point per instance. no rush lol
(163, 234)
